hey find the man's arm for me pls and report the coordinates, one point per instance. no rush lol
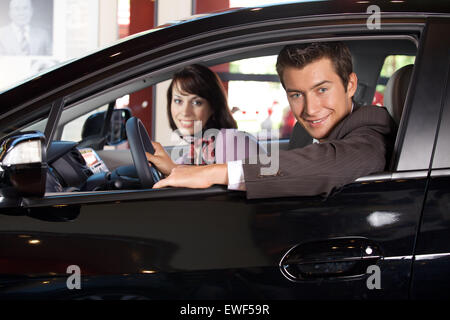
(313, 170)
(357, 148)
(197, 177)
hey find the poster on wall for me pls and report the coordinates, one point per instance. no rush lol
(27, 28)
(36, 35)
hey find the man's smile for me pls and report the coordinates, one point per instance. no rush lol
(316, 122)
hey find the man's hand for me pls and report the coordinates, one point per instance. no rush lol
(196, 177)
(161, 160)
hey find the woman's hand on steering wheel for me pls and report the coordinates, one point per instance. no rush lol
(161, 159)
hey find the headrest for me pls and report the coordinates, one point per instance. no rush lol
(396, 90)
(93, 125)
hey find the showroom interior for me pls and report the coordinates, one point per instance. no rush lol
(76, 28)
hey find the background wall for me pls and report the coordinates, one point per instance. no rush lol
(78, 27)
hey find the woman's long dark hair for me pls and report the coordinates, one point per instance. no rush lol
(205, 83)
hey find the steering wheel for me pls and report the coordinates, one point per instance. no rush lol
(139, 144)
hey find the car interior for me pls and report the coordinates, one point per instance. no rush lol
(99, 158)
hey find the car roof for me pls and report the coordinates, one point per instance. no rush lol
(43, 86)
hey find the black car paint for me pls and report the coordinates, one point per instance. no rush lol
(241, 239)
(431, 270)
(215, 243)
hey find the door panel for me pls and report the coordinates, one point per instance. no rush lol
(213, 246)
(432, 261)
(432, 265)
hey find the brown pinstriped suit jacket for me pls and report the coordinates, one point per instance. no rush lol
(359, 145)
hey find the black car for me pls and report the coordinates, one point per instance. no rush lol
(77, 221)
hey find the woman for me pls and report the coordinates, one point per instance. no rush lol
(197, 103)
(202, 89)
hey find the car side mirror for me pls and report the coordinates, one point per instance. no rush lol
(23, 163)
(96, 133)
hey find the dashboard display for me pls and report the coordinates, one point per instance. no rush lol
(93, 161)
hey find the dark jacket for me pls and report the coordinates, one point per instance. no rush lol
(358, 146)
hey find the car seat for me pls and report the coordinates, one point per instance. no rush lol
(396, 91)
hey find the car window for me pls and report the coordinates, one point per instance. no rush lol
(38, 125)
(391, 64)
(78, 122)
(257, 99)
(72, 131)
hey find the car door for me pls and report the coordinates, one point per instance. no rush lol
(431, 278)
(215, 243)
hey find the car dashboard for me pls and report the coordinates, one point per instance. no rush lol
(81, 169)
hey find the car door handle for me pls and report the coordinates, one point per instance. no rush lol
(331, 258)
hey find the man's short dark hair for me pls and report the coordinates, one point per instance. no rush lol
(300, 55)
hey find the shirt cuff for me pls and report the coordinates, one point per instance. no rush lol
(236, 176)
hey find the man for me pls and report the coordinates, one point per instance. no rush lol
(19, 38)
(350, 141)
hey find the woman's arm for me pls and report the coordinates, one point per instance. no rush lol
(161, 159)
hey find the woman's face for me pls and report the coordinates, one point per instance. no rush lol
(189, 111)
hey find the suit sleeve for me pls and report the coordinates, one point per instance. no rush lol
(319, 168)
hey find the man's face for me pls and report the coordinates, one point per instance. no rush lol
(317, 96)
(20, 12)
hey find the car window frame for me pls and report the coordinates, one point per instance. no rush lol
(158, 76)
(124, 87)
(419, 110)
(441, 159)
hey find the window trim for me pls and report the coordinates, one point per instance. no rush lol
(414, 146)
(115, 196)
(442, 132)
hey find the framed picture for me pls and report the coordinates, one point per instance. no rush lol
(37, 34)
(26, 27)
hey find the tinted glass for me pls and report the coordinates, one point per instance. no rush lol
(442, 153)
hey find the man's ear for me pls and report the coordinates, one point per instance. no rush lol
(352, 84)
